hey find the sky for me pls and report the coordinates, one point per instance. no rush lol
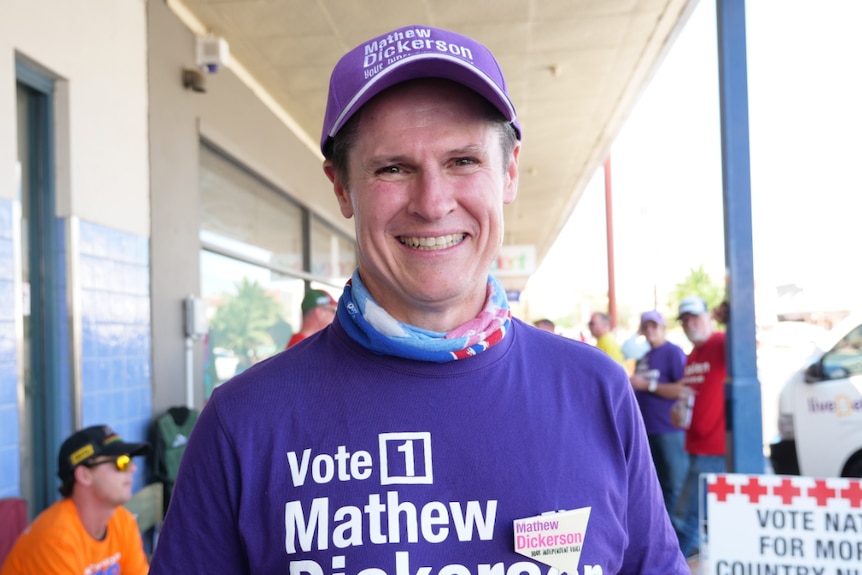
(805, 128)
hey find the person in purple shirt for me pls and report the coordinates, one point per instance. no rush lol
(656, 381)
(425, 430)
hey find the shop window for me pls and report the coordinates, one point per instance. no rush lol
(239, 210)
(252, 312)
(256, 263)
(332, 254)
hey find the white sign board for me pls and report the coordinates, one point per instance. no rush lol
(763, 524)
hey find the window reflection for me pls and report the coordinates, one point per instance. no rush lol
(243, 211)
(254, 258)
(845, 359)
(332, 255)
(252, 312)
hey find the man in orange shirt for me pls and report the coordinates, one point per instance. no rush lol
(89, 530)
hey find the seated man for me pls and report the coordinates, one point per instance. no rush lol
(89, 530)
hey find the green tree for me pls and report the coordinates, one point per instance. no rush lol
(697, 282)
(243, 323)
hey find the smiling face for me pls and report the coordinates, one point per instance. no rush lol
(427, 181)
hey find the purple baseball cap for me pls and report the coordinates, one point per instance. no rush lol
(652, 316)
(406, 54)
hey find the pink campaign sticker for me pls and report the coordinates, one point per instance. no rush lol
(554, 539)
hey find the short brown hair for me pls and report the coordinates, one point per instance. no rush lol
(339, 146)
(68, 487)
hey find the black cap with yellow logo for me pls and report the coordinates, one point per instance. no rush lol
(91, 442)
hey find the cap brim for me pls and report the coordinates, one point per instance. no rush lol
(130, 449)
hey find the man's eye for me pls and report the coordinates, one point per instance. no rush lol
(388, 170)
(465, 161)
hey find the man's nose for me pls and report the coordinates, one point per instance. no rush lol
(432, 196)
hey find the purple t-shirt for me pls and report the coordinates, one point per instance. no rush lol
(665, 363)
(330, 459)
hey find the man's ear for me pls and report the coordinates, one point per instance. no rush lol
(510, 189)
(342, 193)
(83, 475)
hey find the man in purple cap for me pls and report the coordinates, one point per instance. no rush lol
(656, 383)
(425, 430)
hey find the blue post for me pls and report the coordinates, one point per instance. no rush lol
(745, 448)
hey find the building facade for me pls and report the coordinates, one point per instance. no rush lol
(154, 239)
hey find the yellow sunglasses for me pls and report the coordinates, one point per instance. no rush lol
(122, 462)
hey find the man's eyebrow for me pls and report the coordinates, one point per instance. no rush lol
(468, 150)
(390, 159)
(386, 160)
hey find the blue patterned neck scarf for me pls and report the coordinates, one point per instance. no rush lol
(372, 327)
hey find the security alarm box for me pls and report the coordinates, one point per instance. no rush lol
(212, 53)
(196, 317)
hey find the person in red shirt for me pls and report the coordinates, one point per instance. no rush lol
(318, 311)
(89, 530)
(701, 411)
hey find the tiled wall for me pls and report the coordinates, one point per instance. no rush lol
(9, 436)
(116, 381)
(114, 272)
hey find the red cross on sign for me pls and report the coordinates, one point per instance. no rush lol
(721, 489)
(753, 489)
(787, 491)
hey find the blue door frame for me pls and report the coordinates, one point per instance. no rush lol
(42, 405)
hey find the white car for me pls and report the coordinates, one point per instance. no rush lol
(820, 409)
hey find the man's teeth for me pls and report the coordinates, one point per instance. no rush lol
(438, 243)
